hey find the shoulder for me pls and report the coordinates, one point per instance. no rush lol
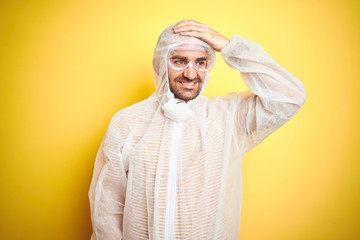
(138, 112)
(127, 121)
(229, 101)
(219, 106)
(132, 116)
(215, 104)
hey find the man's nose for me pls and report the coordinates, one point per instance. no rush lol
(190, 72)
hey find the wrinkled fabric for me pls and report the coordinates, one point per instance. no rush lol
(166, 170)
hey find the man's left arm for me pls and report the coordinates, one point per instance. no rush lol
(275, 95)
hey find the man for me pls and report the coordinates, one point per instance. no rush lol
(169, 167)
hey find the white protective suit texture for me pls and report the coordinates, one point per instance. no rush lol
(167, 169)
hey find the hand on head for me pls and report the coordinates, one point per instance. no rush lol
(201, 31)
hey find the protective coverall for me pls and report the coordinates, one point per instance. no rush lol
(170, 170)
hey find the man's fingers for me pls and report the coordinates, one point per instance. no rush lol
(192, 34)
(187, 29)
(201, 31)
(189, 25)
(188, 22)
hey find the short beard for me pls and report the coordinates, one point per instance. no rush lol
(177, 93)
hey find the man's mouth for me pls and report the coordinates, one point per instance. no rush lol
(188, 83)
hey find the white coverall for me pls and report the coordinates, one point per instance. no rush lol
(174, 172)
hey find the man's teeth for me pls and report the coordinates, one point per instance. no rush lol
(188, 84)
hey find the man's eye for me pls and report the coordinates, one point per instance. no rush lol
(179, 62)
(201, 63)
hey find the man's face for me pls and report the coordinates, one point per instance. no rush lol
(186, 84)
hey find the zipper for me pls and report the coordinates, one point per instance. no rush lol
(172, 182)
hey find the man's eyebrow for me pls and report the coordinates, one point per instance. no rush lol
(178, 57)
(202, 58)
(184, 58)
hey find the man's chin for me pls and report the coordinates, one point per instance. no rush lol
(186, 98)
(185, 94)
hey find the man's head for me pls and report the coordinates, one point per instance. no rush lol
(185, 83)
(187, 66)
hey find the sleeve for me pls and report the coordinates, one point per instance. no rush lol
(108, 188)
(275, 95)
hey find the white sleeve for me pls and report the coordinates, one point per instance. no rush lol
(108, 189)
(275, 95)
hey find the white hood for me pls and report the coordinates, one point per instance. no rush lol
(174, 109)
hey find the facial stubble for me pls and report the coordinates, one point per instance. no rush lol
(181, 94)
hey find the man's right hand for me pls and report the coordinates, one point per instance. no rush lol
(202, 31)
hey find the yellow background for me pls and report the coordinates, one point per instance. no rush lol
(66, 67)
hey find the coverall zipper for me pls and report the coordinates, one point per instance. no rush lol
(172, 181)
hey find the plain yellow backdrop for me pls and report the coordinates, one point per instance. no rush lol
(66, 67)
